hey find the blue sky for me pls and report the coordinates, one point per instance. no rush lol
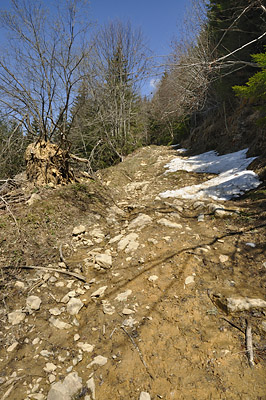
(159, 19)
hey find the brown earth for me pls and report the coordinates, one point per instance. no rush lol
(173, 336)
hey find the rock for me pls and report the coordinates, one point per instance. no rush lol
(79, 230)
(76, 337)
(251, 244)
(34, 197)
(16, 317)
(139, 222)
(123, 296)
(153, 278)
(128, 243)
(201, 218)
(190, 279)
(74, 306)
(97, 233)
(98, 360)
(144, 396)
(57, 323)
(104, 260)
(169, 224)
(107, 307)
(263, 325)
(51, 378)
(20, 285)
(243, 304)
(85, 347)
(99, 292)
(127, 311)
(49, 367)
(221, 213)
(33, 302)
(12, 347)
(55, 311)
(223, 258)
(67, 389)
(91, 387)
(115, 239)
(130, 322)
(198, 204)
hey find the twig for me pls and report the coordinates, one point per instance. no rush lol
(249, 345)
(78, 276)
(10, 212)
(232, 324)
(62, 258)
(138, 350)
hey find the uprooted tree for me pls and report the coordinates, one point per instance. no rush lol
(40, 72)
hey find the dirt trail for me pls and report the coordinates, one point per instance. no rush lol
(166, 269)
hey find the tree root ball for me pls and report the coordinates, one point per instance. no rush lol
(46, 163)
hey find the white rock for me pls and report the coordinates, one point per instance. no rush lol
(16, 317)
(97, 233)
(36, 341)
(153, 278)
(108, 308)
(223, 258)
(85, 347)
(169, 224)
(49, 367)
(123, 296)
(74, 306)
(251, 244)
(201, 218)
(51, 378)
(79, 230)
(57, 323)
(20, 285)
(99, 292)
(130, 322)
(67, 389)
(127, 311)
(91, 386)
(241, 304)
(33, 302)
(115, 239)
(55, 311)
(12, 347)
(190, 279)
(34, 197)
(76, 337)
(99, 360)
(144, 396)
(132, 246)
(46, 353)
(104, 260)
(139, 222)
(65, 299)
(123, 243)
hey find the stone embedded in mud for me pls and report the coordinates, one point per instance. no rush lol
(85, 347)
(12, 347)
(98, 360)
(127, 311)
(67, 389)
(57, 323)
(33, 302)
(74, 306)
(123, 296)
(91, 386)
(139, 222)
(103, 260)
(55, 311)
(190, 279)
(144, 396)
(128, 243)
(99, 292)
(244, 304)
(49, 367)
(169, 224)
(78, 230)
(223, 258)
(153, 278)
(16, 317)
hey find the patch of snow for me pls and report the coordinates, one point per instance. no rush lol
(233, 179)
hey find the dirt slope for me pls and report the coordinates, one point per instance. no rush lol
(162, 321)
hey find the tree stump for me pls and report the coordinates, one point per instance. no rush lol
(46, 163)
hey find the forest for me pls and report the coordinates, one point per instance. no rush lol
(70, 94)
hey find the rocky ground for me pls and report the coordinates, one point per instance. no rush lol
(146, 298)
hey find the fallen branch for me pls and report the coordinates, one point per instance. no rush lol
(60, 271)
(249, 345)
(138, 350)
(10, 212)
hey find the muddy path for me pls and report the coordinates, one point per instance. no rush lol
(155, 317)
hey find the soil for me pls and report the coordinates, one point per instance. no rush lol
(172, 336)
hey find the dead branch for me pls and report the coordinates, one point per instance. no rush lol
(10, 212)
(138, 350)
(249, 345)
(60, 271)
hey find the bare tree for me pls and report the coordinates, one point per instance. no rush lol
(116, 69)
(40, 72)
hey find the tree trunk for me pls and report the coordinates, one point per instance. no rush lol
(46, 164)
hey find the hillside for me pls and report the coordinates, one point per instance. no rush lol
(131, 295)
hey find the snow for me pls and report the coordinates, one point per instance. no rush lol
(231, 181)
